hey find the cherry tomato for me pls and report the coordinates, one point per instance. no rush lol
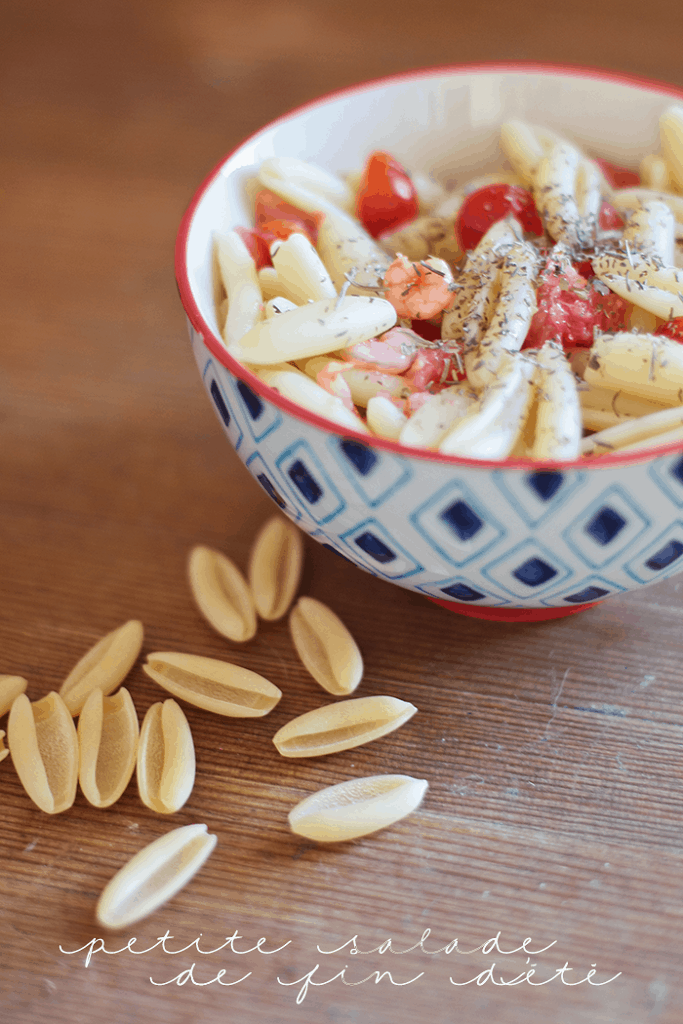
(386, 196)
(618, 177)
(487, 205)
(609, 219)
(277, 219)
(569, 308)
(672, 329)
(257, 246)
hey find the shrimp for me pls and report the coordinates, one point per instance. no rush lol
(392, 352)
(418, 291)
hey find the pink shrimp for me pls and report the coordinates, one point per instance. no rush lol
(391, 352)
(418, 291)
(330, 378)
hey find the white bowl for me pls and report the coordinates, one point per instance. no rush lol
(512, 540)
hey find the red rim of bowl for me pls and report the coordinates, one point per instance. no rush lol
(217, 347)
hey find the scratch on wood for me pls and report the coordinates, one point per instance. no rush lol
(554, 702)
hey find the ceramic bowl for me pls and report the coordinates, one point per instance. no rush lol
(513, 540)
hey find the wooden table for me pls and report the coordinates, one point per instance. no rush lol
(553, 751)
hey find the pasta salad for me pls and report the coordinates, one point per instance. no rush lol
(536, 312)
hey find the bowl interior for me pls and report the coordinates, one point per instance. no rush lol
(443, 121)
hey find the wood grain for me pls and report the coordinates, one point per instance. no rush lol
(553, 751)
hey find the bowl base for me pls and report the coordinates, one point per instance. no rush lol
(513, 614)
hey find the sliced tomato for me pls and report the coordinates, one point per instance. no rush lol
(672, 329)
(277, 219)
(584, 269)
(618, 177)
(257, 246)
(386, 196)
(430, 367)
(609, 219)
(491, 203)
(427, 329)
(569, 308)
(610, 310)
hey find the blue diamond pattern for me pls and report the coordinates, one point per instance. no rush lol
(461, 592)
(311, 486)
(586, 595)
(302, 478)
(372, 545)
(660, 558)
(212, 377)
(528, 568)
(269, 487)
(456, 525)
(252, 402)
(261, 418)
(261, 472)
(219, 402)
(590, 588)
(609, 526)
(605, 525)
(676, 470)
(540, 496)
(362, 458)
(665, 556)
(534, 572)
(377, 477)
(379, 551)
(546, 483)
(462, 519)
(667, 475)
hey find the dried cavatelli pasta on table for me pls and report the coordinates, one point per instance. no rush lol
(108, 733)
(104, 667)
(357, 807)
(44, 747)
(153, 876)
(222, 594)
(325, 647)
(165, 758)
(213, 685)
(342, 726)
(10, 688)
(275, 566)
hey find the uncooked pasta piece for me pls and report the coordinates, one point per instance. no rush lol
(357, 807)
(165, 758)
(342, 726)
(213, 685)
(104, 667)
(275, 566)
(153, 876)
(44, 747)
(107, 739)
(10, 688)
(326, 647)
(222, 594)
